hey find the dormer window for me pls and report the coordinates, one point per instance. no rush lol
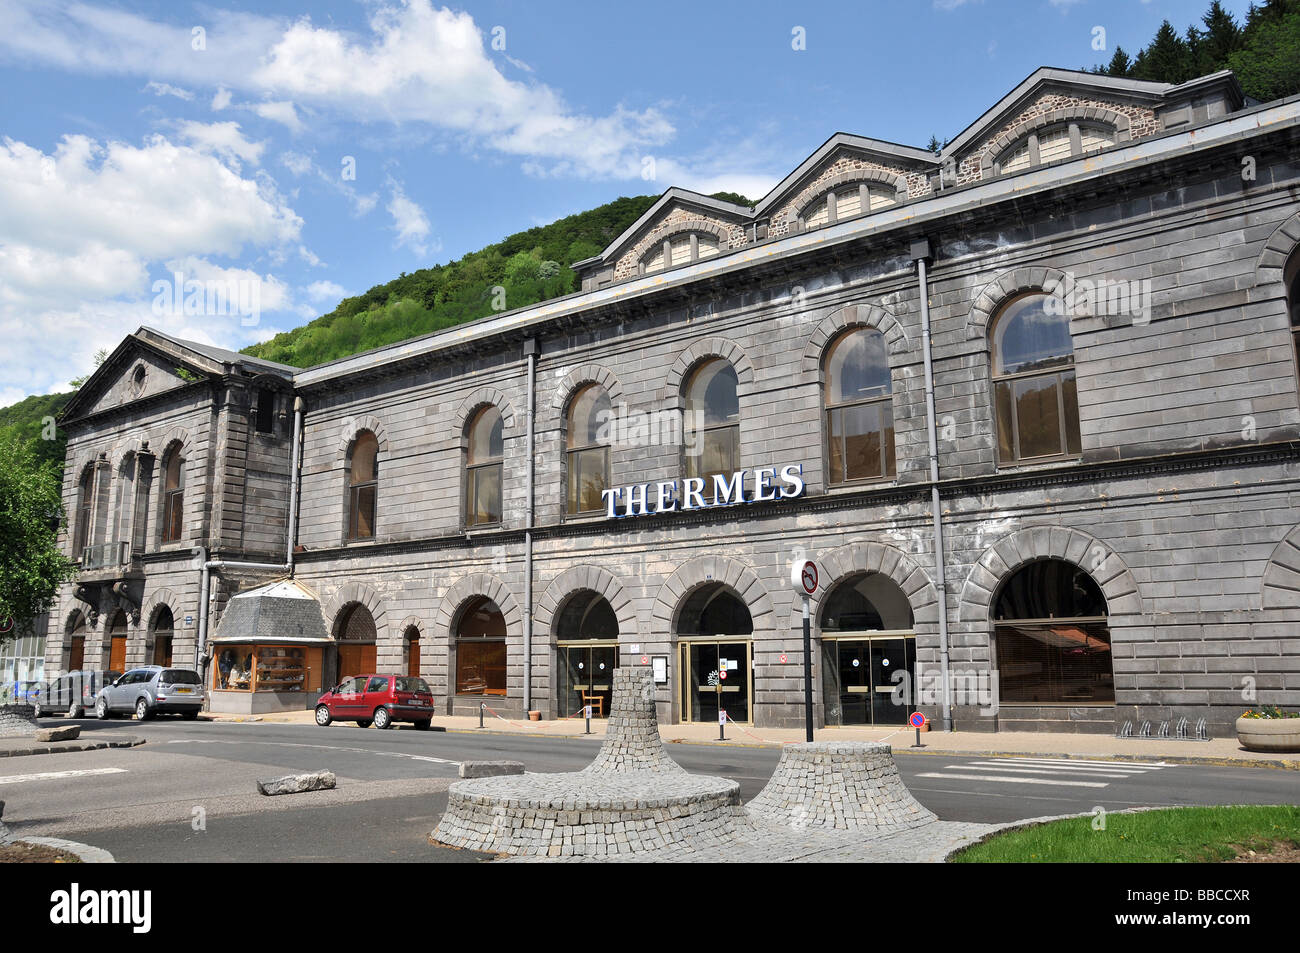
(680, 249)
(847, 202)
(1053, 143)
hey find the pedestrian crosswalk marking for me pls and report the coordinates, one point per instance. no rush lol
(1089, 773)
(1017, 779)
(58, 775)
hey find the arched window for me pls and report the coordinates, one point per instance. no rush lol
(85, 506)
(1033, 380)
(714, 609)
(847, 202)
(714, 627)
(1054, 142)
(680, 249)
(587, 456)
(1293, 300)
(712, 426)
(173, 527)
(1052, 638)
(859, 409)
(163, 631)
(412, 639)
(483, 468)
(363, 486)
(356, 635)
(481, 649)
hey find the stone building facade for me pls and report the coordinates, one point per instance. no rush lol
(1144, 566)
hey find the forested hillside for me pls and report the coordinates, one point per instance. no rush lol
(530, 266)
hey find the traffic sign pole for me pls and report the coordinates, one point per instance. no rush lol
(807, 671)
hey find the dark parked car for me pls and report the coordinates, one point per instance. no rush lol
(379, 700)
(150, 690)
(74, 694)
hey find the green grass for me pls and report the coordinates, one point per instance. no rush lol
(1176, 835)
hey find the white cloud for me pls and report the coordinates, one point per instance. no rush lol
(416, 63)
(220, 99)
(166, 89)
(325, 291)
(296, 162)
(409, 222)
(87, 224)
(222, 139)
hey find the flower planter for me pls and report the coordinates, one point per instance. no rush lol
(1269, 734)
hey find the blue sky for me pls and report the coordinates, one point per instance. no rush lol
(133, 147)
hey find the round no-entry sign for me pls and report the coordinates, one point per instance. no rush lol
(723, 674)
(6, 625)
(803, 576)
(917, 720)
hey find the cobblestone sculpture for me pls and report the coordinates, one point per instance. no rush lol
(634, 802)
(840, 786)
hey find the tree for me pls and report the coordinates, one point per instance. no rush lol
(32, 567)
(1120, 64)
(1168, 59)
(1268, 64)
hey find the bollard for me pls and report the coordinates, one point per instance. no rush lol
(481, 708)
(722, 724)
(586, 714)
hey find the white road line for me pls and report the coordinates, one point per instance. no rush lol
(1146, 765)
(1082, 769)
(59, 775)
(296, 744)
(985, 765)
(1016, 780)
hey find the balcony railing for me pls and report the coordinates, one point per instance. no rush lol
(106, 556)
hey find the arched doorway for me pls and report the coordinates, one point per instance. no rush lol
(75, 658)
(868, 652)
(586, 647)
(1051, 637)
(355, 632)
(411, 638)
(713, 634)
(115, 646)
(480, 637)
(163, 632)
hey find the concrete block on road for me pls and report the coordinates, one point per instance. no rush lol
(62, 733)
(298, 783)
(490, 769)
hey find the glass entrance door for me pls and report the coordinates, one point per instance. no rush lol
(586, 677)
(700, 700)
(859, 681)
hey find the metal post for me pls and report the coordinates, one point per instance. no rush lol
(586, 713)
(481, 707)
(722, 726)
(807, 672)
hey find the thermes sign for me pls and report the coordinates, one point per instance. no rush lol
(756, 485)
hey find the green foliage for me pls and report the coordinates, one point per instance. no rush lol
(528, 267)
(32, 421)
(31, 511)
(1264, 52)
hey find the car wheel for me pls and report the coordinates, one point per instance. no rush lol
(76, 711)
(101, 709)
(423, 725)
(363, 722)
(190, 715)
(142, 711)
(382, 718)
(323, 716)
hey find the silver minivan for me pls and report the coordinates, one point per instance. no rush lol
(152, 690)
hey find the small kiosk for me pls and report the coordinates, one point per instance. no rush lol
(268, 652)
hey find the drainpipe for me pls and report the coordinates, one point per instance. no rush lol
(530, 351)
(921, 254)
(295, 478)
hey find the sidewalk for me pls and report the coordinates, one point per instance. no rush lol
(1223, 751)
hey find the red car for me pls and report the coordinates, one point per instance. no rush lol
(379, 700)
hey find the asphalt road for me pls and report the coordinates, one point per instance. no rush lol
(189, 793)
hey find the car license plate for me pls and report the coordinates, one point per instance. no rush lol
(184, 691)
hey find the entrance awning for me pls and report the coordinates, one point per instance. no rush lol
(283, 612)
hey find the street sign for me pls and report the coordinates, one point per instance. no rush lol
(6, 625)
(803, 576)
(784, 658)
(722, 716)
(722, 674)
(917, 720)
(645, 660)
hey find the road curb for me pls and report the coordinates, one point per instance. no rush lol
(63, 747)
(945, 752)
(88, 854)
